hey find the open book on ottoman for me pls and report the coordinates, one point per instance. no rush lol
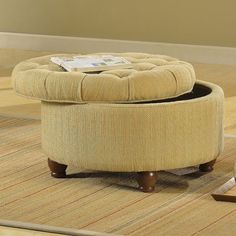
(91, 63)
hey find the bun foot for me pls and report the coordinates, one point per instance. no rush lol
(147, 181)
(57, 170)
(207, 167)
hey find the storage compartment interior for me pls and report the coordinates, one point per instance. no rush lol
(197, 92)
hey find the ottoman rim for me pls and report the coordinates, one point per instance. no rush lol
(153, 77)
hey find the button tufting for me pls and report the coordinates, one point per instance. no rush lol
(152, 77)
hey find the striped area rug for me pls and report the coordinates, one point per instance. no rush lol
(108, 202)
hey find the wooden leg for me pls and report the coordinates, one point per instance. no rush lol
(147, 181)
(207, 167)
(57, 170)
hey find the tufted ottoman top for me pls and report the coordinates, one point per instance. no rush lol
(152, 77)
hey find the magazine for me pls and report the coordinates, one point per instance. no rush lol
(91, 63)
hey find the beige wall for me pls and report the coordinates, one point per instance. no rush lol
(204, 22)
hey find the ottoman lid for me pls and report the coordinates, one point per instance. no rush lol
(152, 77)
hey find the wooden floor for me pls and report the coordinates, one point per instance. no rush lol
(108, 202)
(7, 231)
(17, 228)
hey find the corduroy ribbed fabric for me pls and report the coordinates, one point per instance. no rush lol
(136, 137)
(152, 77)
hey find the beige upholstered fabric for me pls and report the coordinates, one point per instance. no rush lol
(136, 137)
(152, 77)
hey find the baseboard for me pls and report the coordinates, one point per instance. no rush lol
(193, 53)
(230, 135)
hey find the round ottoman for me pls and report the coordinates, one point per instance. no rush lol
(148, 118)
